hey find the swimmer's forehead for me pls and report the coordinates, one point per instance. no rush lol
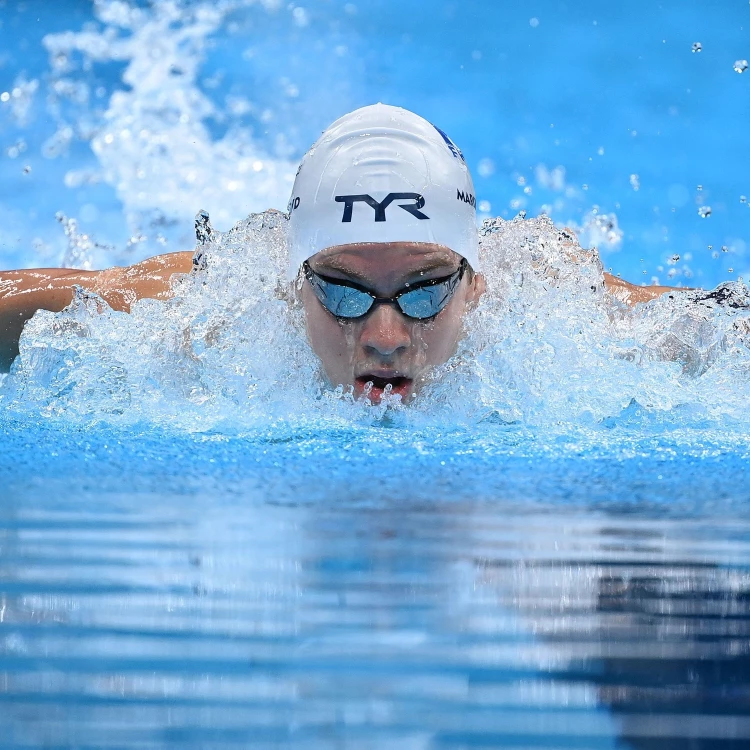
(368, 261)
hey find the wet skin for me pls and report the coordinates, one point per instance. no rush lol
(385, 347)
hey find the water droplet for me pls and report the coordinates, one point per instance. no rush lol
(486, 167)
(740, 66)
(27, 169)
(533, 22)
(724, 249)
(699, 187)
(674, 259)
(714, 255)
(710, 247)
(697, 46)
(204, 233)
(5, 96)
(704, 212)
(743, 199)
(522, 214)
(730, 270)
(300, 16)
(635, 182)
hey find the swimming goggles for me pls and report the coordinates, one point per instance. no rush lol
(348, 300)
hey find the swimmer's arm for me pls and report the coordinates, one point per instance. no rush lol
(632, 294)
(22, 293)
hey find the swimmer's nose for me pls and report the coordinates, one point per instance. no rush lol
(385, 331)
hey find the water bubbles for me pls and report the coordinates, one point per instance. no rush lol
(699, 188)
(743, 199)
(704, 211)
(533, 22)
(714, 255)
(521, 214)
(485, 207)
(26, 169)
(486, 167)
(600, 230)
(697, 47)
(58, 143)
(674, 259)
(724, 249)
(5, 96)
(730, 270)
(551, 179)
(79, 253)
(635, 182)
(204, 232)
(300, 16)
(740, 66)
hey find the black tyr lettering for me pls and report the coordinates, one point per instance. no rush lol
(380, 207)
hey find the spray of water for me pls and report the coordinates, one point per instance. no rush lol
(153, 139)
(547, 347)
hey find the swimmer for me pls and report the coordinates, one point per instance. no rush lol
(383, 238)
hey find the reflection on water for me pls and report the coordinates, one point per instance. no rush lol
(202, 620)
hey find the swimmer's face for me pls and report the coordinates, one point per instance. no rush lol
(386, 347)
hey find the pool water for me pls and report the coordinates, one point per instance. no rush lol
(202, 545)
(389, 590)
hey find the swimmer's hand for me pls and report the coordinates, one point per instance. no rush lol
(24, 292)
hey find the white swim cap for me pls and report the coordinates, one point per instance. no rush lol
(382, 174)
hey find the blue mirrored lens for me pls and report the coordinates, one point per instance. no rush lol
(421, 303)
(343, 301)
(427, 301)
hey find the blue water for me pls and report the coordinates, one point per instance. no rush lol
(201, 546)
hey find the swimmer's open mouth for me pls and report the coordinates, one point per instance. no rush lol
(399, 385)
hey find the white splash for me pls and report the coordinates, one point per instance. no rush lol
(548, 346)
(152, 142)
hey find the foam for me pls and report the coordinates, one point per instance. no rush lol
(547, 348)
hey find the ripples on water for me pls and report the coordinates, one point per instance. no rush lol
(265, 593)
